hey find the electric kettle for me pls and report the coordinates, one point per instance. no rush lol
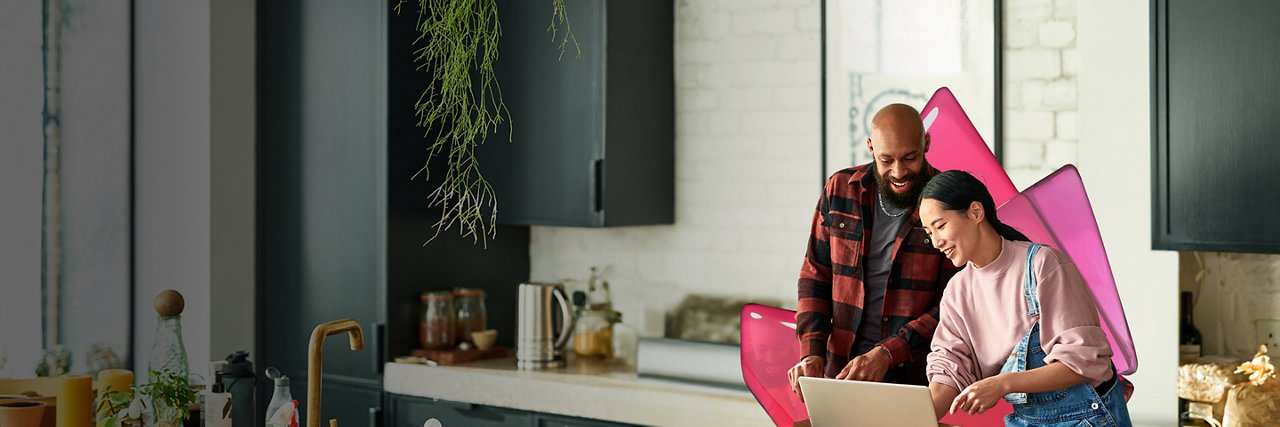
(542, 328)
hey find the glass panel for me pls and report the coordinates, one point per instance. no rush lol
(881, 52)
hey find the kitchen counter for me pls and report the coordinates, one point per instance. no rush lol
(584, 388)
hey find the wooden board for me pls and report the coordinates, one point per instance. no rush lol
(450, 357)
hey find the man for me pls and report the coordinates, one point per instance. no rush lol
(871, 282)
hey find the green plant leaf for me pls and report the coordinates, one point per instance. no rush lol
(119, 398)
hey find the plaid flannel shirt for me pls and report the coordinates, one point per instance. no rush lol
(831, 295)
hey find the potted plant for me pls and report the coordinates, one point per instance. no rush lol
(113, 409)
(170, 397)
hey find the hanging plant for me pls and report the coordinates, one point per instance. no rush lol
(458, 40)
(560, 16)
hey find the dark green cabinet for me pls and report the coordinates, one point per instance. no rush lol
(406, 411)
(321, 145)
(1215, 99)
(341, 226)
(592, 139)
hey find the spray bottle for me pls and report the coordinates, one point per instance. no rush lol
(279, 398)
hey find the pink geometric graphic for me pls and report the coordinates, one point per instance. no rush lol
(955, 144)
(769, 349)
(1055, 210)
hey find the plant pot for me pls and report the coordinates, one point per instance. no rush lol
(21, 414)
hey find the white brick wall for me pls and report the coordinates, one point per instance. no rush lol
(1232, 292)
(747, 168)
(1040, 67)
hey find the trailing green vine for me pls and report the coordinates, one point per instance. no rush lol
(560, 15)
(458, 39)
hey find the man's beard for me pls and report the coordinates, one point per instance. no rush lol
(894, 198)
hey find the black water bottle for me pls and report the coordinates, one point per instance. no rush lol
(240, 380)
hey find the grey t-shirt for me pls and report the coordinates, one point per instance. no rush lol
(875, 277)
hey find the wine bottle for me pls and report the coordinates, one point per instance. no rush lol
(1189, 341)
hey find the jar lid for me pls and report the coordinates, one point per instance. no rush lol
(468, 292)
(436, 296)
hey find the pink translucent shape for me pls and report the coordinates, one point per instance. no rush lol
(769, 349)
(1056, 211)
(956, 144)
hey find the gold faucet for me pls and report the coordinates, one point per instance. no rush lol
(352, 328)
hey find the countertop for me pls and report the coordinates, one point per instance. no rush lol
(584, 388)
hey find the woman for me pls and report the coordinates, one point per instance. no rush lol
(1017, 322)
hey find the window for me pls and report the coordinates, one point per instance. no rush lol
(879, 52)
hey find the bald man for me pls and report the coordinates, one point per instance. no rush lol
(870, 284)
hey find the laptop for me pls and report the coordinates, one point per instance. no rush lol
(836, 403)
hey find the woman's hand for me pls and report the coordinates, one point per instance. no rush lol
(809, 366)
(980, 396)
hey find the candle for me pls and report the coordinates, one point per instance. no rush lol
(115, 380)
(75, 401)
(112, 380)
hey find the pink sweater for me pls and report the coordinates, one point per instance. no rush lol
(984, 314)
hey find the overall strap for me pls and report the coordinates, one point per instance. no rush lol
(1017, 361)
(1029, 282)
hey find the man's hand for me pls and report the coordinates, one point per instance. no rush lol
(870, 366)
(809, 366)
(980, 396)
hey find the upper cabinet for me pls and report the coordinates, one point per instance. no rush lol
(591, 141)
(1215, 121)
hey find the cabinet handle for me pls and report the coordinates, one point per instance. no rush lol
(379, 329)
(597, 170)
(375, 417)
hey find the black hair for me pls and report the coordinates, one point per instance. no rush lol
(956, 190)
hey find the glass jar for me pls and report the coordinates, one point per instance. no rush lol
(626, 341)
(593, 334)
(471, 314)
(436, 331)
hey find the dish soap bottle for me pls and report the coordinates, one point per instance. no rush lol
(598, 292)
(216, 407)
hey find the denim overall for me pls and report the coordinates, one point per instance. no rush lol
(1077, 405)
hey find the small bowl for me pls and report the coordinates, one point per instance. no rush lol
(484, 339)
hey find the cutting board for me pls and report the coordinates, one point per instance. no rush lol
(450, 357)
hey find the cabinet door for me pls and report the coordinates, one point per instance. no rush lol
(1214, 126)
(321, 163)
(545, 420)
(353, 405)
(414, 412)
(549, 172)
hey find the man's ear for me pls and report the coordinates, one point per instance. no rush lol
(927, 140)
(869, 149)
